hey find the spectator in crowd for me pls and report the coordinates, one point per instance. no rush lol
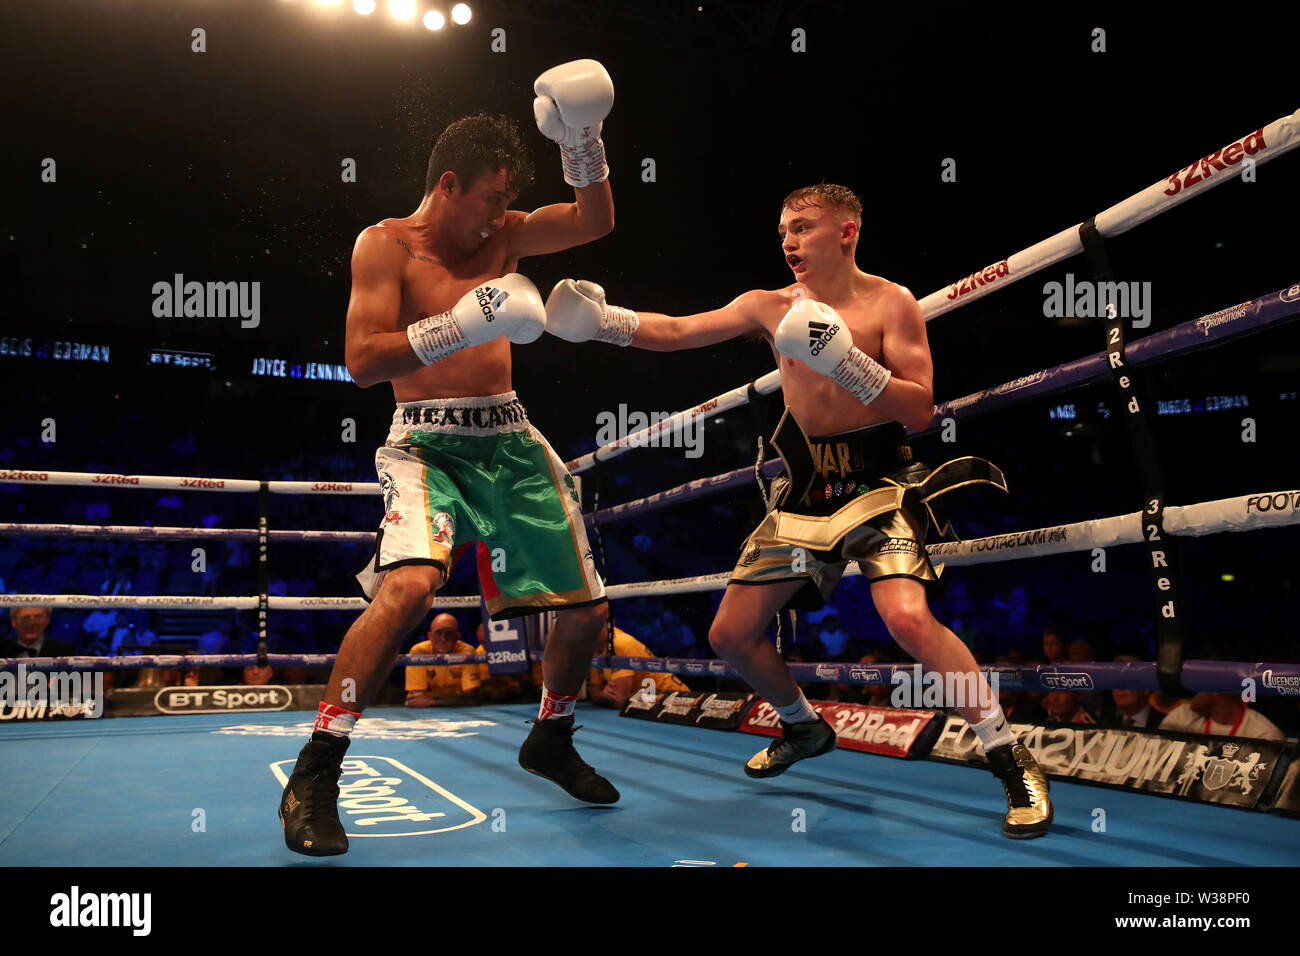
(259, 676)
(189, 676)
(1066, 707)
(443, 683)
(611, 687)
(832, 636)
(1222, 715)
(1131, 708)
(1054, 646)
(31, 635)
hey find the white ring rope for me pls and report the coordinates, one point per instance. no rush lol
(179, 483)
(149, 533)
(1242, 513)
(202, 603)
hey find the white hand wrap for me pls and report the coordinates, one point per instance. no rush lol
(862, 375)
(618, 326)
(585, 164)
(435, 337)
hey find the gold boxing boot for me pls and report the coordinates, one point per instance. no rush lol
(1029, 807)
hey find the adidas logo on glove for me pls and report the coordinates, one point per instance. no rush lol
(490, 300)
(818, 336)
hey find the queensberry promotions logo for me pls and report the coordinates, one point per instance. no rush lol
(382, 797)
(1288, 684)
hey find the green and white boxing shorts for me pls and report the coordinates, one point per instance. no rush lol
(460, 470)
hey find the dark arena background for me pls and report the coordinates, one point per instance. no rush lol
(247, 143)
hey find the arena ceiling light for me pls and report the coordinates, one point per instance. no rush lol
(434, 20)
(364, 7)
(402, 9)
(460, 13)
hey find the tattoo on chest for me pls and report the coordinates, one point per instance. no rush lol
(415, 255)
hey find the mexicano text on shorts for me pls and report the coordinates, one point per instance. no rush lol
(509, 413)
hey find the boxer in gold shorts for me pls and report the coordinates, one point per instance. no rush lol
(855, 371)
(857, 496)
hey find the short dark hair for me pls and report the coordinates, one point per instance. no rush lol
(825, 195)
(477, 145)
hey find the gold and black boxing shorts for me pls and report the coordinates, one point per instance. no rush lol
(858, 496)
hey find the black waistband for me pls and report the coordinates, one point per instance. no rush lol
(862, 455)
(867, 452)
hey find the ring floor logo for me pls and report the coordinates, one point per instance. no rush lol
(383, 797)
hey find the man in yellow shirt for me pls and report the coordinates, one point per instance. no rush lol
(444, 683)
(612, 688)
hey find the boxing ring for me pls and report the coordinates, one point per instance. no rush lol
(198, 789)
(124, 792)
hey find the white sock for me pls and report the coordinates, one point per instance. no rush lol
(994, 731)
(800, 712)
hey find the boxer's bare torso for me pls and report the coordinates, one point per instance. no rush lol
(821, 406)
(431, 286)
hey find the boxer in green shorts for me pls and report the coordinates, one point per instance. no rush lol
(474, 470)
(435, 306)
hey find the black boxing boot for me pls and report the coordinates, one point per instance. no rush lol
(309, 805)
(548, 752)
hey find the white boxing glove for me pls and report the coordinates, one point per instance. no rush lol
(572, 102)
(509, 306)
(813, 333)
(576, 312)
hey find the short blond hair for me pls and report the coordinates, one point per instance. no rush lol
(826, 196)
